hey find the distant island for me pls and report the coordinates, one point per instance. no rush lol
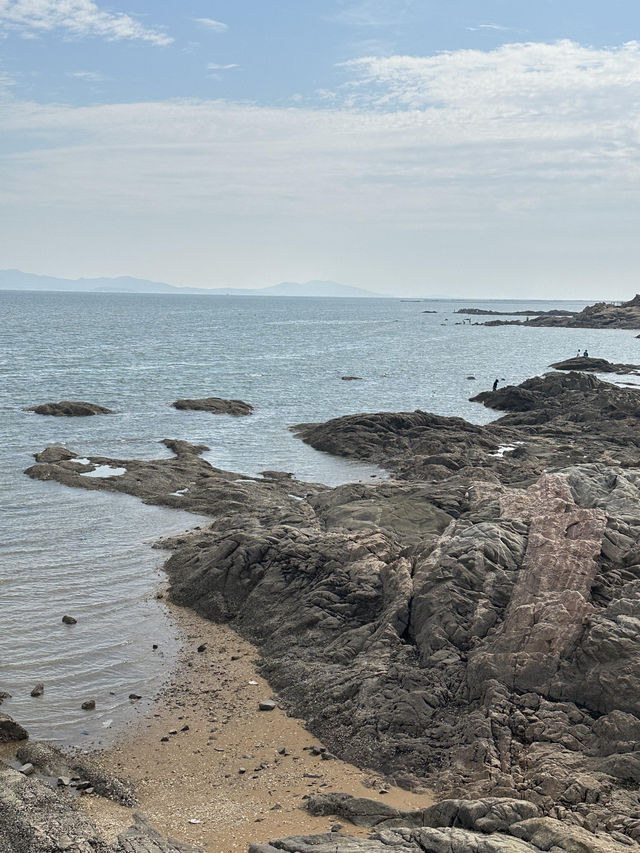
(18, 280)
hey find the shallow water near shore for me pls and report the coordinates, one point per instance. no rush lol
(88, 553)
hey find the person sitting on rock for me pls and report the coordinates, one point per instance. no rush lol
(585, 354)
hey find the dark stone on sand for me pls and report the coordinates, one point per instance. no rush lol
(350, 378)
(38, 690)
(69, 620)
(69, 408)
(10, 730)
(216, 406)
(267, 705)
(89, 705)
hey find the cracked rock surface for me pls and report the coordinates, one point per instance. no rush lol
(472, 626)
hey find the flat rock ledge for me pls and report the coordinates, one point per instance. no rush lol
(597, 365)
(216, 406)
(69, 408)
(490, 825)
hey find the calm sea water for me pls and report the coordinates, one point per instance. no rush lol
(88, 553)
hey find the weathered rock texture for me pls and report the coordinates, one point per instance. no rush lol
(473, 626)
(37, 818)
(493, 825)
(215, 405)
(69, 408)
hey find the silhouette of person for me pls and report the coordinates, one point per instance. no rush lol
(585, 354)
(495, 385)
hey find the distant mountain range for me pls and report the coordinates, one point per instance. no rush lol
(18, 280)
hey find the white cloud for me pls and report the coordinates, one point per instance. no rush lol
(88, 76)
(424, 142)
(414, 157)
(75, 17)
(489, 27)
(213, 66)
(210, 24)
(525, 81)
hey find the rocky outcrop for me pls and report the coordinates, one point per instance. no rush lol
(216, 406)
(596, 365)
(490, 825)
(485, 312)
(52, 762)
(473, 627)
(38, 818)
(10, 731)
(602, 315)
(69, 408)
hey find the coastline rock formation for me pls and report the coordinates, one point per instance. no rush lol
(472, 626)
(602, 315)
(596, 365)
(69, 408)
(485, 312)
(216, 406)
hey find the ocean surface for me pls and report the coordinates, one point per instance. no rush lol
(89, 554)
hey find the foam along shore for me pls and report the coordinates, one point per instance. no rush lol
(470, 627)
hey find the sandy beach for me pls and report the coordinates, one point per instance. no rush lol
(226, 773)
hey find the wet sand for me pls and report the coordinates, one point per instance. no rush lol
(221, 780)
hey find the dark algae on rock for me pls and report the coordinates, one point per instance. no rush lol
(471, 626)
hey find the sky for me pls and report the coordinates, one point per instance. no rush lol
(484, 148)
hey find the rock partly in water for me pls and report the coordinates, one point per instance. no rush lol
(216, 406)
(69, 408)
(596, 365)
(11, 731)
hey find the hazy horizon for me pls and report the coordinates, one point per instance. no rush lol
(484, 150)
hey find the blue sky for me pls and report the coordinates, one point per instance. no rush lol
(412, 147)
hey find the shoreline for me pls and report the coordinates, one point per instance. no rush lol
(197, 774)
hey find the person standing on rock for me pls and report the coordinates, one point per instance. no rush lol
(495, 385)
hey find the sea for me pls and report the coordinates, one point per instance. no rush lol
(88, 554)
